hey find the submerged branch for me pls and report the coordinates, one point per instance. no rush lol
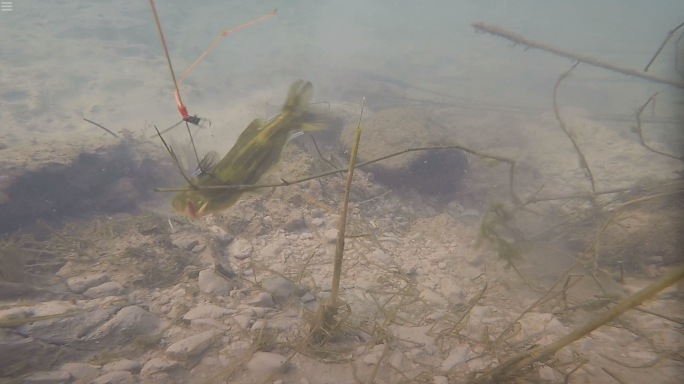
(584, 59)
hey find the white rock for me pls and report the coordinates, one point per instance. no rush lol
(547, 374)
(317, 222)
(79, 284)
(265, 362)
(279, 287)
(271, 251)
(80, 370)
(115, 377)
(241, 249)
(193, 345)
(433, 297)
(262, 299)
(132, 320)
(211, 283)
(109, 288)
(457, 355)
(331, 235)
(157, 364)
(208, 311)
(440, 380)
(122, 365)
(54, 377)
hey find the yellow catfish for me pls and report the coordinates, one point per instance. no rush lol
(257, 149)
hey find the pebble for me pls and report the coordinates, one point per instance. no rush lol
(208, 311)
(271, 251)
(80, 284)
(317, 222)
(380, 256)
(262, 299)
(265, 362)
(433, 297)
(128, 322)
(115, 377)
(80, 370)
(193, 345)
(54, 377)
(279, 287)
(440, 380)
(157, 364)
(241, 249)
(122, 365)
(451, 288)
(456, 356)
(331, 235)
(109, 288)
(316, 212)
(211, 283)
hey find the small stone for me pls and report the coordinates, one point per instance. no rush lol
(80, 284)
(547, 374)
(110, 288)
(224, 238)
(208, 311)
(262, 299)
(271, 251)
(294, 222)
(54, 377)
(131, 320)
(187, 241)
(241, 249)
(440, 380)
(265, 362)
(122, 365)
(331, 235)
(211, 283)
(157, 364)
(279, 287)
(433, 297)
(456, 356)
(80, 370)
(308, 297)
(316, 212)
(317, 222)
(380, 256)
(442, 265)
(115, 377)
(192, 346)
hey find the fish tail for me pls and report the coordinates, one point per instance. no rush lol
(299, 97)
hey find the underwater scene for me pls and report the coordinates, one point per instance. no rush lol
(339, 192)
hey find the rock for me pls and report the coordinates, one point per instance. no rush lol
(380, 256)
(54, 377)
(429, 172)
(129, 322)
(262, 299)
(122, 365)
(316, 212)
(265, 362)
(271, 251)
(433, 297)
(80, 284)
(208, 311)
(211, 283)
(294, 222)
(80, 370)
(109, 288)
(440, 380)
(192, 346)
(331, 235)
(457, 355)
(279, 287)
(241, 249)
(317, 222)
(452, 290)
(115, 377)
(157, 364)
(224, 238)
(188, 241)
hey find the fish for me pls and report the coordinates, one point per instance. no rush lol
(256, 150)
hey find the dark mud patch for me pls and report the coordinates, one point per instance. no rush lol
(105, 181)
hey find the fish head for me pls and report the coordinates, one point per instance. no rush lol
(189, 205)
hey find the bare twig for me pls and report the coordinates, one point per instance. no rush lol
(540, 353)
(662, 45)
(101, 126)
(582, 160)
(584, 59)
(641, 134)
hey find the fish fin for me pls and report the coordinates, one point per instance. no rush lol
(299, 97)
(206, 164)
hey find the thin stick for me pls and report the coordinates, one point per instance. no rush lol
(175, 160)
(101, 126)
(542, 352)
(342, 225)
(166, 52)
(584, 59)
(580, 155)
(641, 134)
(662, 45)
